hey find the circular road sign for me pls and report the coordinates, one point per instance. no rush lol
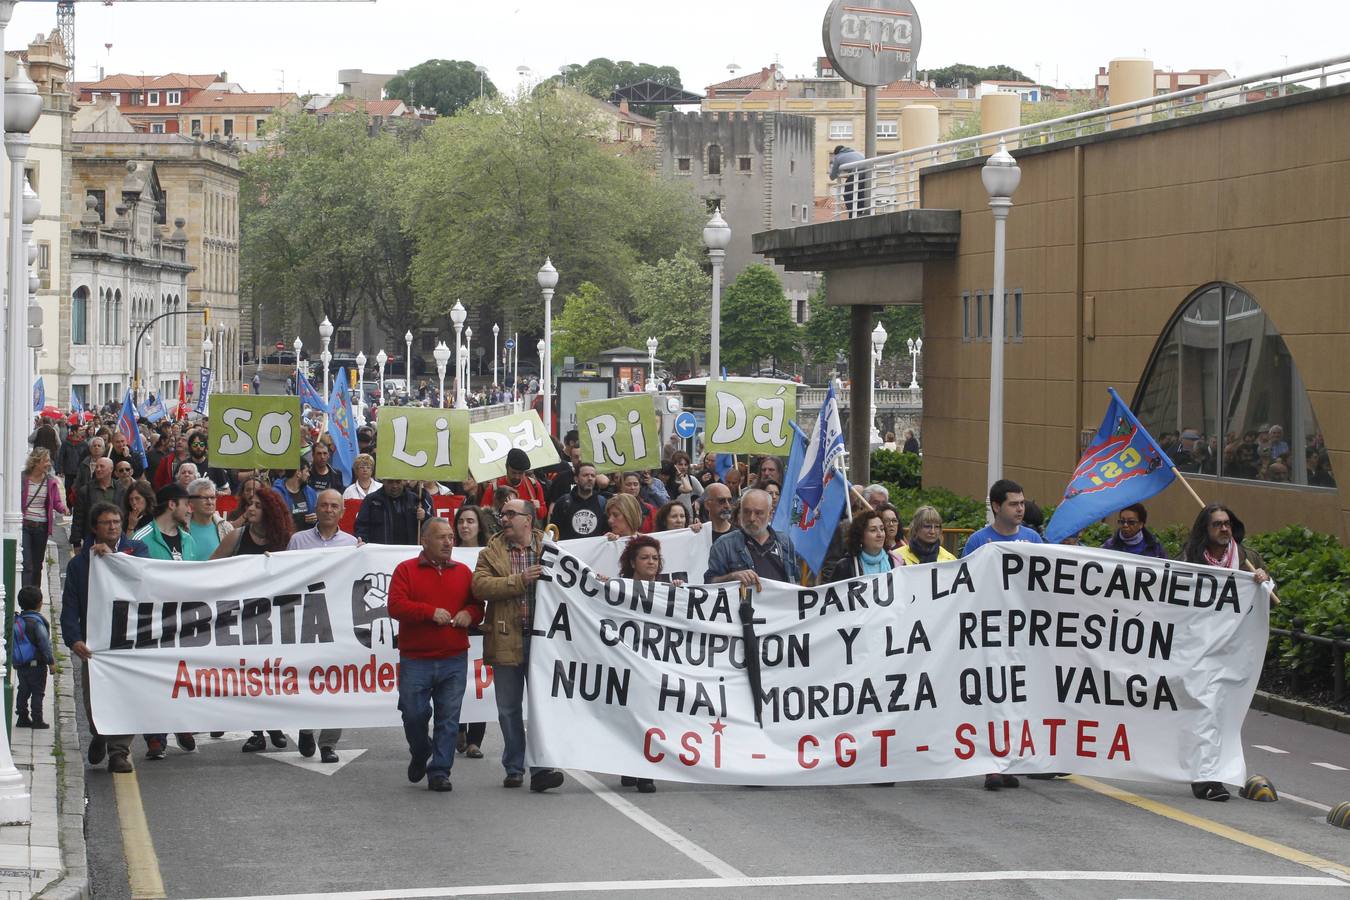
(510, 344)
(872, 42)
(686, 425)
(281, 345)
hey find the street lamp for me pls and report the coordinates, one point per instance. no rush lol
(468, 352)
(457, 317)
(380, 359)
(1001, 177)
(207, 347)
(407, 361)
(915, 350)
(495, 382)
(220, 349)
(325, 335)
(878, 344)
(651, 364)
(298, 345)
(442, 356)
(716, 237)
(548, 280)
(361, 385)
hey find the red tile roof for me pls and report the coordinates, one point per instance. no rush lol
(384, 108)
(244, 102)
(171, 81)
(753, 81)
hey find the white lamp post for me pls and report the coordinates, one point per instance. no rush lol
(325, 335)
(1001, 177)
(407, 361)
(468, 355)
(915, 349)
(457, 316)
(548, 280)
(495, 382)
(380, 359)
(515, 370)
(207, 347)
(543, 349)
(298, 345)
(716, 237)
(651, 364)
(221, 348)
(361, 386)
(442, 356)
(878, 344)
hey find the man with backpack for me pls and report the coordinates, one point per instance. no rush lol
(32, 657)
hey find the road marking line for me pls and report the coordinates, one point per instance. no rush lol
(142, 863)
(1216, 828)
(770, 881)
(1331, 766)
(713, 864)
(1297, 799)
(1269, 749)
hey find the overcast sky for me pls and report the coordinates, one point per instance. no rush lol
(265, 46)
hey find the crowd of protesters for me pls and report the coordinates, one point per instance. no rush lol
(166, 508)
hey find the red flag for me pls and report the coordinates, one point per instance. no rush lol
(182, 397)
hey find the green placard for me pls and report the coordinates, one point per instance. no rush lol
(490, 441)
(423, 444)
(620, 434)
(255, 432)
(750, 417)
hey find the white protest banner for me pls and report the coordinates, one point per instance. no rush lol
(490, 441)
(1024, 658)
(288, 640)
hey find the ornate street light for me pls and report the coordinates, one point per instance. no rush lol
(468, 354)
(495, 382)
(548, 280)
(915, 351)
(442, 356)
(878, 344)
(1001, 177)
(651, 364)
(380, 359)
(325, 335)
(361, 386)
(207, 347)
(298, 345)
(716, 237)
(457, 316)
(407, 361)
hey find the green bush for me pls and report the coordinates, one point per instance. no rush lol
(957, 511)
(903, 470)
(1311, 573)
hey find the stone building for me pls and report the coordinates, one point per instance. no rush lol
(200, 182)
(757, 167)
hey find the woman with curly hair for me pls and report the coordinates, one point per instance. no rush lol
(248, 486)
(266, 529)
(673, 516)
(865, 550)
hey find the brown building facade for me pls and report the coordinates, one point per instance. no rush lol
(1199, 266)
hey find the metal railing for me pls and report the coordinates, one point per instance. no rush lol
(1339, 643)
(891, 183)
(813, 398)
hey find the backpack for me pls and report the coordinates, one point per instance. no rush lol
(24, 650)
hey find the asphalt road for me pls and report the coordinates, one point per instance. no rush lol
(228, 824)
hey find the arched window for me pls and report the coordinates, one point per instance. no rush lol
(714, 159)
(79, 316)
(1223, 397)
(179, 331)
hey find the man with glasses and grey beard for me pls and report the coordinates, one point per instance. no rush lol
(755, 550)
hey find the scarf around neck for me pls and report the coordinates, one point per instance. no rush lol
(874, 564)
(1131, 542)
(1227, 561)
(924, 553)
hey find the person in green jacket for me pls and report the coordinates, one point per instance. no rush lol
(167, 534)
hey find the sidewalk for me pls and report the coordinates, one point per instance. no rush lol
(31, 860)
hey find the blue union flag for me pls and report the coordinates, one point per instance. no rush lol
(1124, 465)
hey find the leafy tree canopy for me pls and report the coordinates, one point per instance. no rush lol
(589, 324)
(445, 85)
(489, 193)
(756, 322)
(826, 333)
(673, 300)
(601, 76)
(959, 74)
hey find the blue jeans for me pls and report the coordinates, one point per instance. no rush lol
(432, 690)
(509, 684)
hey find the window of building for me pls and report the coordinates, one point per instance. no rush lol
(81, 391)
(841, 131)
(258, 127)
(744, 164)
(684, 165)
(31, 173)
(792, 167)
(887, 130)
(173, 98)
(965, 316)
(153, 99)
(979, 316)
(801, 311)
(794, 212)
(196, 126)
(806, 213)
(714, 159)
(808, 93)
(44, 264)
(157, 128)
(116, 98)
(1223, 397)
(227, 127)
(79, 316)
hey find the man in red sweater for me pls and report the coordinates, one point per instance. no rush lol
(430, 598)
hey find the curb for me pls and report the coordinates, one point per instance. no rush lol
(70, 801)
(1301, 712)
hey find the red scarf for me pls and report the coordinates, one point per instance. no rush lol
(1227, 561)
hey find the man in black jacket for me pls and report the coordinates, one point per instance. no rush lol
(581, 511)
(393, 514)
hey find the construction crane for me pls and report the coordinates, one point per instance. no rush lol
(65, 16)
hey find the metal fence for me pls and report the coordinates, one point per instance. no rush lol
(1338, 643)
(891, 183)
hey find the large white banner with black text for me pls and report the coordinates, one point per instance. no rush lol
(1023, 658)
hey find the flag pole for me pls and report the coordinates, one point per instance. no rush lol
(1187, 485)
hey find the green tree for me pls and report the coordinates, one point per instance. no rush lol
(673, 300)
(320, 231)
(966, 75)
(756, 322)
(825, 334)
(492, 191)
(588, 324)
(601, 76)
(445, 85)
